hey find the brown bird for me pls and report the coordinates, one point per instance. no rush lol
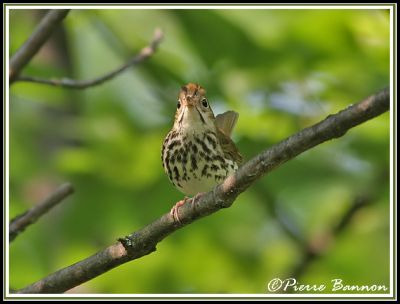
(198, 153)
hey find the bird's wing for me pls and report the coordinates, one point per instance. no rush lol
(226, 122)
(228, 147)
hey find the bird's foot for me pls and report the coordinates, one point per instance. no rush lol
(195, 198)
(175, 210)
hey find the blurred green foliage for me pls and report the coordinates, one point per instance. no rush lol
(282, 70)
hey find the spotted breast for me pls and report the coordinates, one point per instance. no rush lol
(198, 153)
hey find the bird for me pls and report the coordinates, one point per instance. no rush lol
(198, 152)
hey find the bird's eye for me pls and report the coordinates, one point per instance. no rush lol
(204, 102)
(179, 104)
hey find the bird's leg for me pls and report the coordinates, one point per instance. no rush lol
(196, 197)
(174, 211)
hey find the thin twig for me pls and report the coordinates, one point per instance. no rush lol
(35, 41)
(144, 54)
(20, 222)
(144, 241)
(285, 222)
(288, 224)
(317, 247)
(359, 202)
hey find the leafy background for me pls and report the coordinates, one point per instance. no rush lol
(282, 70)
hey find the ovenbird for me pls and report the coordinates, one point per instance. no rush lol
(198, 153)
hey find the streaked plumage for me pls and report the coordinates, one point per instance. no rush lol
(198, 152)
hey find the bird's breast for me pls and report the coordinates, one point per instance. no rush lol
(195, 162)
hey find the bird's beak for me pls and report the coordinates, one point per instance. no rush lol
(188, 101)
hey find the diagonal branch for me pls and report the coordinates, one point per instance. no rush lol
(144, 241)
(20, 222)
(144, 54)
(35, 41)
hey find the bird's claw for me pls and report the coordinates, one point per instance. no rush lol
(175, 210)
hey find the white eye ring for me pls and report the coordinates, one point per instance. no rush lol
(204, 102)
(179, 104)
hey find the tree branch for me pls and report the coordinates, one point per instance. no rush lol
(20, 222)
(144, 54)
(144, 241)
(35, 42)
